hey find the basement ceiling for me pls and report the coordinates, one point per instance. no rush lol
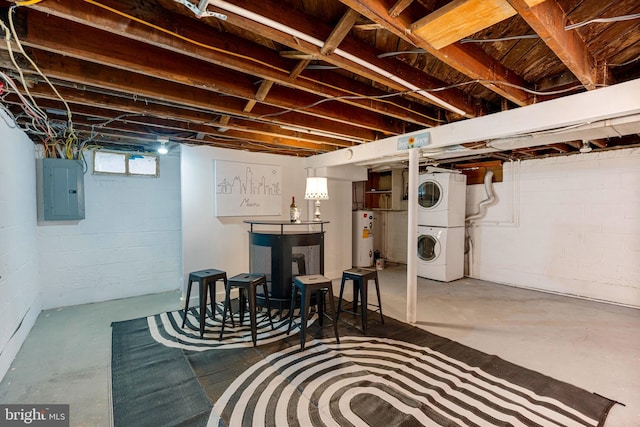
(303, 77)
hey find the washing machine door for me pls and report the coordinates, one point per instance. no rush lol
(428, 247)
(430, 194)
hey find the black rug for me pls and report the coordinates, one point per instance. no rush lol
(397, 375)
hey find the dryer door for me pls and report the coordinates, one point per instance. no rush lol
(428, 247)
(430, 194)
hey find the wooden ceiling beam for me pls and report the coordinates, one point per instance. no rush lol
(299, 31)
(136, 133)
(299, 68)
(246, 136)
(471, 61)
(110, 108)
(224, 121)
(89, 45)
(212, 46)
(138, 127)
(461, 18)
(135, 85)
(340, 32)
(548, 20)
(399, 7)
(600, 143)
(368, 26)
(261, 94)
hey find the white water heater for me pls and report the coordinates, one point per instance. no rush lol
(362, 248)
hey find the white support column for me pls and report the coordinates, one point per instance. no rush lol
(412, 227)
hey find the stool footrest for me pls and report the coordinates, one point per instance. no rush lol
(306, 286)
(247, 283)
(360, 279)
(207, 279)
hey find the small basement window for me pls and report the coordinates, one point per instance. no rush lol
(109, 162)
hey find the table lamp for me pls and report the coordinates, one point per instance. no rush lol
(316, 190)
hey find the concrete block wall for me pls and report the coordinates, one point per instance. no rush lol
(20, 302)
(128, 244)
(569, 225)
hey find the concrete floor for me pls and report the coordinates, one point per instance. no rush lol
(591, 345)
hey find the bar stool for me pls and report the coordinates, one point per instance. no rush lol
(300, 261)
(308, 285)
(247, 283)
(207, 280)
(360, 278)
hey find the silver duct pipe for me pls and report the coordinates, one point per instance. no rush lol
(491, 199)
(482, 211)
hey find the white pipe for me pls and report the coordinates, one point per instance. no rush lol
(469, 241)
(514, 203)
(491, 199)
(482, 211)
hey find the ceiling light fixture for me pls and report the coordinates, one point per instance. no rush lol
(163, 148)
(319, 43)
(586, 147)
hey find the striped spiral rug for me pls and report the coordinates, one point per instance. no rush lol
(397, 375)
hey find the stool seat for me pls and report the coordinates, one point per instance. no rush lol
(207, 280)
(247, 283)
(360, 278)
(308, 285)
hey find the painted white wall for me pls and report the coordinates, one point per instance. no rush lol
(223, 242)
(338, 239)
(20, 302)
(128, 244)
(391, 235)
(567, 225)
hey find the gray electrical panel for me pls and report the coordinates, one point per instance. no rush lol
(62, 190)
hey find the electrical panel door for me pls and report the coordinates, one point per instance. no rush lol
(63, 189)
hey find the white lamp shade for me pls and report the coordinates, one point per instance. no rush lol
(316, 189)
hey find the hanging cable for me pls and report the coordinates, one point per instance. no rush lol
(603, 20)
(452, 86)
(244, 57)
(35, 66)
(401, 52)
(39, 120)
(625, 63)
(34, 109)
(501, 39)
(355, 96)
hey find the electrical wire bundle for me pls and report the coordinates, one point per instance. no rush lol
(57, 141)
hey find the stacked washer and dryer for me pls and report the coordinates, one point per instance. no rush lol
(441, 213)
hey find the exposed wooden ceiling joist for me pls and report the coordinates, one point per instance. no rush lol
(469, 60)
(548, 20)
(296, 30)
(304, 77)
(461, 18)
(195, 41)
